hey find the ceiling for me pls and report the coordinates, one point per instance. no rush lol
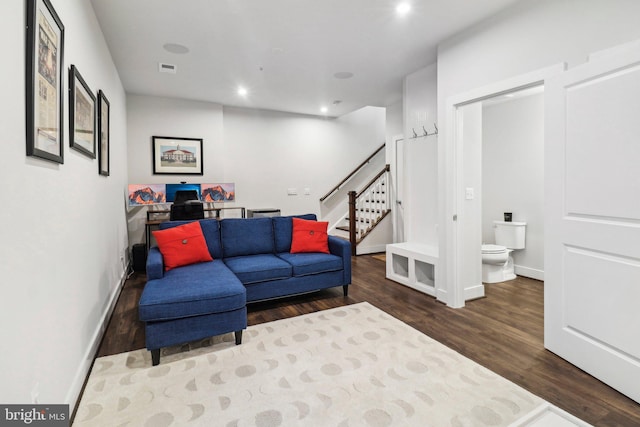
(290, 55)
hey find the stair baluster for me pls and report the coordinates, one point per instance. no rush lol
(368, 207)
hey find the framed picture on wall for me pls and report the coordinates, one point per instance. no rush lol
(82, 118)
(44, 81)
(181, 156)
(225, 192)
(103, 134)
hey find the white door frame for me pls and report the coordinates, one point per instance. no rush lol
(395, 172)
(451, 186)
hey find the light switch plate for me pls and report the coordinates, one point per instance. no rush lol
(469, 193)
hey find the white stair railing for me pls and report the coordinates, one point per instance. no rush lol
(368, 207)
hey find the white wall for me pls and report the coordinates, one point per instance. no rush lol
(149, 116)
(154, 116)
(513, 175)
(63, 226)
(264, 153)
(531, 35)
(394, 122)
(420, 164)
(269, 152)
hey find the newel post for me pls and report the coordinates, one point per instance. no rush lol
(352, 221)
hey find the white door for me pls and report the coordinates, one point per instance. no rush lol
(592, 218)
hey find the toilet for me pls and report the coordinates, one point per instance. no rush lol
(497, 263)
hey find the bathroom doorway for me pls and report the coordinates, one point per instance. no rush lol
(462, 187)
(512, 172)
(590, 219)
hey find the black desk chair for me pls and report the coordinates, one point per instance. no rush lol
(186, 206)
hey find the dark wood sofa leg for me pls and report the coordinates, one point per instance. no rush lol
(155, 357)
(238, 337)
(345, 290)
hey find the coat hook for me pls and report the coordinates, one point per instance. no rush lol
(415, 135)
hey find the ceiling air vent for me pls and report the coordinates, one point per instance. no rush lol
(167, 68)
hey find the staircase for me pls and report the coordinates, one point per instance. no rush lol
(367, 207)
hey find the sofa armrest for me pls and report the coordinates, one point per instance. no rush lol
(155, 264)
(342, 248)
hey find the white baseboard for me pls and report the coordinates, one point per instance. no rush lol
(474, 292)
(83, 370)
(441, 295)
(373, 249)
(529, 272)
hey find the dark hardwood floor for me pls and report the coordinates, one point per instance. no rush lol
(503, 332)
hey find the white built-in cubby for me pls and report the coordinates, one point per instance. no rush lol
(413, 265)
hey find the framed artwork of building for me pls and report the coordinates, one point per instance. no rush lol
(180, 156)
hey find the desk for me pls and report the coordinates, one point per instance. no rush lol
(154, 221)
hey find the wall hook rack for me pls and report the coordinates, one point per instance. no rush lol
(425, 132)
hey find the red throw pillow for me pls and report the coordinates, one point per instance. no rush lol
(182, 245)
(309, 236)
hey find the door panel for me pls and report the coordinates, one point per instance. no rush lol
(602, 298)
(602, 118)
(592, 218)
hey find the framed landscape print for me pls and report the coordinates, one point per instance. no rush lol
(182, 156)
(225, 192)
(103, 134)
(44, 81)
(82, 118)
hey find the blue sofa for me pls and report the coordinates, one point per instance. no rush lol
(251, 262)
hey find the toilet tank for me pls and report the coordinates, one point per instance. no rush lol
(509, 234)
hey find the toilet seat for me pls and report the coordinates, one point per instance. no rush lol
(493, 249)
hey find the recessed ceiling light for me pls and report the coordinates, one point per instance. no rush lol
(323, 110)
(343, 75)
(242, 91)
(403, 8)
(176, 48)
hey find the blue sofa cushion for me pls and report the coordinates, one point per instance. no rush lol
(192, 290)
(259, 268)
(283, 228)
(246, 236)
(305, 264)
(210, 230)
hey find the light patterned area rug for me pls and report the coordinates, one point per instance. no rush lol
(349, 366)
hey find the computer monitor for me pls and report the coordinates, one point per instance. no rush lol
(172, 189)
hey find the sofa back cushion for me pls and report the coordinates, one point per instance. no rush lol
(210, 230)
(246, 236)
(282, 227)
